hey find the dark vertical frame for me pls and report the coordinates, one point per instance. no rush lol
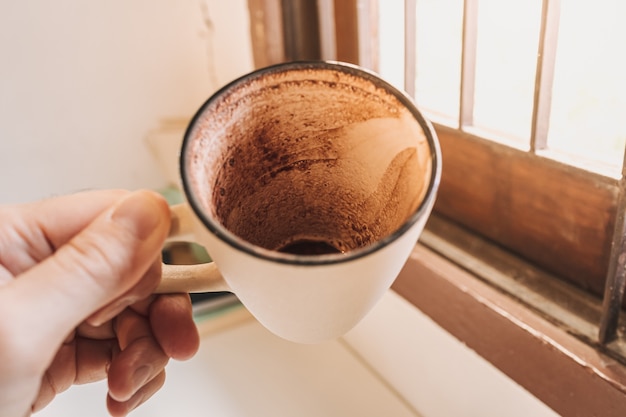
(301, 30)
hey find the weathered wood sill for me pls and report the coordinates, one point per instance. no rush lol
(535, 329)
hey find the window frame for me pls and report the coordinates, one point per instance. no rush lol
(556, 215)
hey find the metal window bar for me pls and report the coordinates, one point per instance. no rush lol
(546, 56)
(468, 63)
(410, 46)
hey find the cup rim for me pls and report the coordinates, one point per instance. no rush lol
(297, 259)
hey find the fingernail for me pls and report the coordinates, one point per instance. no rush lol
(140, 213)
(141, 375)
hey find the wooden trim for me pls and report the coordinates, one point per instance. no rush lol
(346, 31)
(328, 42)
(552, 214)
(367, 27)
(301, 30)
(571, 377)
(616, 277)
(266, 32)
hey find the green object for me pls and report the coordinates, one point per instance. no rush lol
(172, 195)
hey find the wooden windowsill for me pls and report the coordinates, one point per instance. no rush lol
(531, 205)
(569, 375)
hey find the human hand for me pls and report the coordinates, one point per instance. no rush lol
(76, 277)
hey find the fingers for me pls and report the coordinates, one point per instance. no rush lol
(122, 408)
(79, 362)
(58, 378)
(149, 333)
(96, 266)
(134, 352)
(140, 360)
(171, 318)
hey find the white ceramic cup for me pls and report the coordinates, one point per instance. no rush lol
(309, 184)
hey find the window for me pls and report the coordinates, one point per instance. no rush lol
(528, 100)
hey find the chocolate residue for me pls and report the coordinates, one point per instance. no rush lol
(309, 155)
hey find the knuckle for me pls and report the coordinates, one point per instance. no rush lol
(94, 258)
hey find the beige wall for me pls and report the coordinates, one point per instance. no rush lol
(82, 82)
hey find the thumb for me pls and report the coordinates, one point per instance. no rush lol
(97, 265)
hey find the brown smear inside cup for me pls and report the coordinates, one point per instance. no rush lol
(308, 161)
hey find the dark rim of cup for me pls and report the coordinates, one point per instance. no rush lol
(240, 244)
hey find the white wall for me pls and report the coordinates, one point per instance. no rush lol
(82, 82)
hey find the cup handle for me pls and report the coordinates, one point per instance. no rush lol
(188, 278)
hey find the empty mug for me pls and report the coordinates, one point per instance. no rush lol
(309, 184)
